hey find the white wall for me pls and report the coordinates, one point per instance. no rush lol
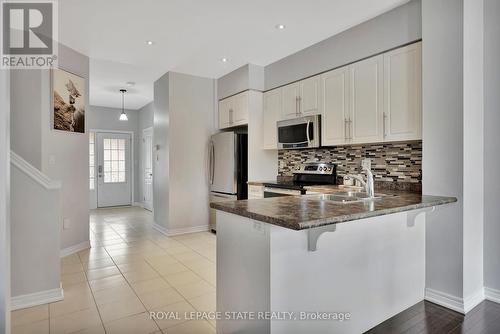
(103, 118)
(70, 152)
(25, 89)
(183, 123)
(161, 141)
(442, 163)
(190, 128)
(145, 121)
(249, 76)
(399, 26)
(4, 202)
(491, 140)
(35, 212)
(60, 155)
(452, 34)
(473, 147)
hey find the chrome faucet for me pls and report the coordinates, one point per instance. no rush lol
(368, 184)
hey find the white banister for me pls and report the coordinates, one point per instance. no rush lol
(33, 172)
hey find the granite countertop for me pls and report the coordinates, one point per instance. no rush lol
(307, 211)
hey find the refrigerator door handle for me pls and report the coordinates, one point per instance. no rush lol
(212, 163)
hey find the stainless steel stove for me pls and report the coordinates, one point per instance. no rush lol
(307, 174)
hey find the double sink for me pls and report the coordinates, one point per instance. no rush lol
(345, 197)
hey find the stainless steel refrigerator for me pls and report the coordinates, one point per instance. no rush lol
(228, 169)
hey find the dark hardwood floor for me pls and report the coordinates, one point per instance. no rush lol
(426, 317)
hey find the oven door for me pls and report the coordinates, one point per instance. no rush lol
(300, 132)
(280, 192)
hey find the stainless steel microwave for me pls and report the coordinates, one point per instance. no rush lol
(303, 132)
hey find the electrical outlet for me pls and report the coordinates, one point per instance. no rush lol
(259, 227)
(366, 163)
(66, 223)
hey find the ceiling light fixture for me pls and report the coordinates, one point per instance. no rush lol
(280, 26)
(150, 42)
(224, 60)
(123, 115)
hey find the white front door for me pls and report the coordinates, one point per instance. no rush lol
(147, 167)
(114, 177)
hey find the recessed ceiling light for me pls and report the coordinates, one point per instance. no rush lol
(224, 60)
(130, 83)
(150, 42)
(280, 26)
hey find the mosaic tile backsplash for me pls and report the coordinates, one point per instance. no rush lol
(397, 162)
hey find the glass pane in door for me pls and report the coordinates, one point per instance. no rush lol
(114, 160)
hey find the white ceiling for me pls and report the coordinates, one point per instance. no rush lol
(191, 36)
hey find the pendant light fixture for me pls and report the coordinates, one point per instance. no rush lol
(123, 115)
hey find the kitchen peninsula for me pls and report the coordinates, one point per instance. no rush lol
(308, 254)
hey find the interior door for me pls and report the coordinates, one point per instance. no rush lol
(147, 168)
(114, 177)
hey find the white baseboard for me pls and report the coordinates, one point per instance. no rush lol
(75, 249)
(37, 298)
(473, 300)
(179, 231)
(453, 302)
(449, 301)
(492, 295)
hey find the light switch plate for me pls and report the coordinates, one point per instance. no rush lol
(366, 163)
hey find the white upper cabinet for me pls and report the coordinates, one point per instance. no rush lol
(335, 94)
(233, 111)
(302, 98)
(309, 98)
(291, 106)
(272, 112)
(224, 111)
(403, 93)
(240, 109)
(365, 124)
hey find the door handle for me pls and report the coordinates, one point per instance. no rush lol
(99, 170)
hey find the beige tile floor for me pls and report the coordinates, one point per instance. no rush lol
(130, 270)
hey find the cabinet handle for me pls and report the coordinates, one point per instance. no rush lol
(300, 108)
(296, 106)
(345, 129)
(384, 126)
(230, 116)
(350, 128)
